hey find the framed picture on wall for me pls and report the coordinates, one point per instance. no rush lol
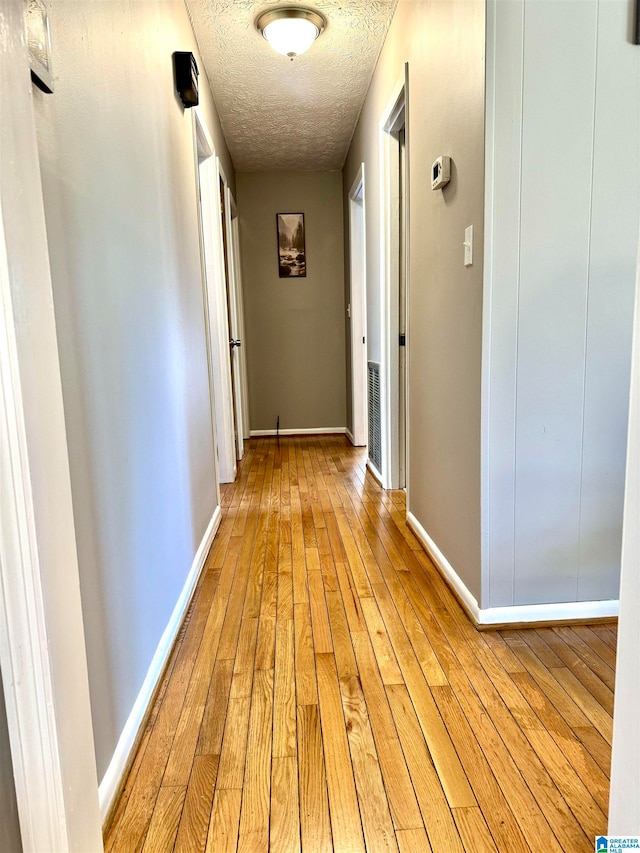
(292, 256)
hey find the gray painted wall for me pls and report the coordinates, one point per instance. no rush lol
(10, 839)
(444, 45)
(295, 327)
(563, 115)
(116, 150)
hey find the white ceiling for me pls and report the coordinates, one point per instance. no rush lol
(277, 114)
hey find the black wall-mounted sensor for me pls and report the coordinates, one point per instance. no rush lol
(186, 71)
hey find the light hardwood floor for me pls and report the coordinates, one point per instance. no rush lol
(327, 693)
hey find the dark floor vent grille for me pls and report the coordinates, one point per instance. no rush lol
(375, 436)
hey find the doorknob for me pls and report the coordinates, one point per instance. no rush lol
(233, 343)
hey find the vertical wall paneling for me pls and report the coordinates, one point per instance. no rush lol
(562, 207)
(554, 246)
(614, 230)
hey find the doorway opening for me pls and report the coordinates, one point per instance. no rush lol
(357, 311)
(395, 264)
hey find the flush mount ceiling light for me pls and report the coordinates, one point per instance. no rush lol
(291, 31)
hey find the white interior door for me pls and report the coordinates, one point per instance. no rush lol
(241, 352)
(402, 310)
(235, 342)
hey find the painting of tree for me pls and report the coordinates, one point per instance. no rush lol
(292, 258)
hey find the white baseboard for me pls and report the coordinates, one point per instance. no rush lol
(349, 435)
(374, 473)
(112, 780)
(536, 614)
(318, 431)
(464, 596)
(533, 614)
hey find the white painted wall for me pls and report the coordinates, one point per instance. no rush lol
(443, 42)
(624, 805)
(117, 159)
(562, 213)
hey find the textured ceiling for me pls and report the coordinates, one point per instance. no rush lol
(277, 114)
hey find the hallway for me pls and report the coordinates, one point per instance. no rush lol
(328, 693)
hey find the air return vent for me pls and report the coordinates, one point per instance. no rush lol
(375, 437)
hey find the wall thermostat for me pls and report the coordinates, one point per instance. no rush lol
(440, 172)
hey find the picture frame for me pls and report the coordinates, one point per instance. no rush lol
(292, 253)
(39, 44)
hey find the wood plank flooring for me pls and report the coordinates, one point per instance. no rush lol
(327, 693)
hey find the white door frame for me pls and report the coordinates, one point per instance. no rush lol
(241, 328)
(624, 808)
(215, 298)
(42, 647)
(394, 116)
(358, 308)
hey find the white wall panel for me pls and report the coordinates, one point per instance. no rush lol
(558, 98)
(562, 105)
(615, 205)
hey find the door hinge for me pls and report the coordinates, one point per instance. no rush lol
(403, 340)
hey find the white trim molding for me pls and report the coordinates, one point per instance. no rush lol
(255, 433)
(540, 614)
(357, 313)
(466, 599)
(394, 118)
(533, 614)
(209, 173)
(624, 806)
(27, 672)
(203, 149)
(371, 468)
(113, 778)
(42, 645)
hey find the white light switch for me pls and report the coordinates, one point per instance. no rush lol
(468, 246)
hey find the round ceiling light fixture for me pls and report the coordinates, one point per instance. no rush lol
(290, 31)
